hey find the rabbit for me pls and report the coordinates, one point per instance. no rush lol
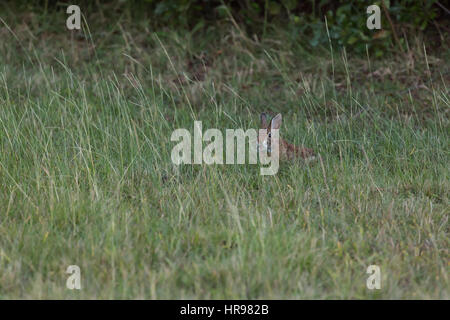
(287, 151)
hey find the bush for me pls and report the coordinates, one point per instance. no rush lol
(346, 20)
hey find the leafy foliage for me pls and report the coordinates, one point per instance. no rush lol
(346, 21)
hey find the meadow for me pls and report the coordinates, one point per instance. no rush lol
(86, 176)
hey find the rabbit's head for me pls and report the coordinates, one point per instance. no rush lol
(265, 139)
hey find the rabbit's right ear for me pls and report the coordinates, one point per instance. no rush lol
(263, 118)
(276, 122)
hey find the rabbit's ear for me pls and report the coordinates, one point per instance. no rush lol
(276, 122)
(263, 118)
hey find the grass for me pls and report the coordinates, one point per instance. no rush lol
(86, 176)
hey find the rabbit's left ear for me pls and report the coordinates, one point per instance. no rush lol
(263, 118)
(276, 122)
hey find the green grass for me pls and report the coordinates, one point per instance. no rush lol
(86, 176)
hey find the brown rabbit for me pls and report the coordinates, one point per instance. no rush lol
(287, 151)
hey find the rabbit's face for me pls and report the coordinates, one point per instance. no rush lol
(265, 139)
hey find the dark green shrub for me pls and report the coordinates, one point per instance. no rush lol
(346, 20)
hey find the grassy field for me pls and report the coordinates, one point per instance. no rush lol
(86, 176)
